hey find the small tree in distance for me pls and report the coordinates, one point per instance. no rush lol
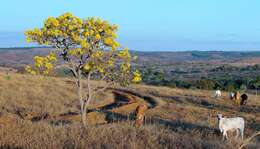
(88, 49)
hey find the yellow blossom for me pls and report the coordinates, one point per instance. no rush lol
(97, 37)
(137, 76)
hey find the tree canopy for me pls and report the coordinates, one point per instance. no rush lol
(87, 44)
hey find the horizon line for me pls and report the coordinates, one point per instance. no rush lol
(45, 47)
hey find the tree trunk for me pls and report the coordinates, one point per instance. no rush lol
(84, 118)
(84, 111)
(81, 100)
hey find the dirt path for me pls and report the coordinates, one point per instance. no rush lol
(152, 101)
(122, 109)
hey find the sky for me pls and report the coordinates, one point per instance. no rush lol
(147, 25)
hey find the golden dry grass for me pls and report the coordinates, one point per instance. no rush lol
(176, 118)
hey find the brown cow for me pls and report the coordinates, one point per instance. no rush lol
(244, 98)
(237, 97)
(140, 113)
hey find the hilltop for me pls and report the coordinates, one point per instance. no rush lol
(39, 111)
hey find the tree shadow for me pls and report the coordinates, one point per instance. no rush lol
(32, 116)
(61, 119)
(69, 113)
(60, 122)
(40, 117)
(112, 117)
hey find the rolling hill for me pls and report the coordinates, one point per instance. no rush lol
(42, 112)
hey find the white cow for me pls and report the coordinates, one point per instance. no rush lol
(217, 94)
(231, 124)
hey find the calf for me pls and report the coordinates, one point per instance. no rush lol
(140, 113)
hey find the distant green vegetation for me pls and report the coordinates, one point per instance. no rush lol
(152, 76)
(200, 54)
(227, 83)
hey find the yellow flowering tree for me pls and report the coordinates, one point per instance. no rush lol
(43, 64)
(89, 49)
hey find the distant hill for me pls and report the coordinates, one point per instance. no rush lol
(21, 56)
(15, 57)
(196, 56)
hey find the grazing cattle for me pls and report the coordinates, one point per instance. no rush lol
(140, 113)
(243, 100)
(231, 95)
(237, 97)
(229, 124)
(217, 94)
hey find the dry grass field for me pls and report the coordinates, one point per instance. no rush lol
(42, 112)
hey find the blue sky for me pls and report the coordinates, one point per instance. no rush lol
(148, 24)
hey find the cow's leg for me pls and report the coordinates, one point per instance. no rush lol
(241, 133)
(224, 135)
(238, 132)
(225, 132)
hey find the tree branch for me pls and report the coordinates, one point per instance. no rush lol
(98, 89)
(247, 141)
